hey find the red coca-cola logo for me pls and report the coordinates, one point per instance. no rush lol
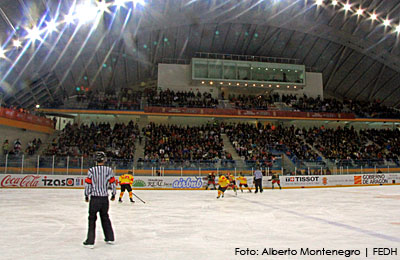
(26, 181)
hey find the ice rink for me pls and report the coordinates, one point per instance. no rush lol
(52, 224)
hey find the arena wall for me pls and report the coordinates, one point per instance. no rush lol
(178, 77)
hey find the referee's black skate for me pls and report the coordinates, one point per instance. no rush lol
(88, 245)
(120, 200)
(131, 200)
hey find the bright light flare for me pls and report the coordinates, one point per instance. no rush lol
(17, 43)
(51, 26)
(398, 28)
(119, 3)
(86, 13)
(69, 18)
(138, 2)
(319, 2)
(347, 7)
(2, 54)
(334, 2)
(34, 34)
(102, 7)
(374, 16)
(386, 22)
(360, 11)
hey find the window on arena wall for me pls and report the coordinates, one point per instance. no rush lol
(230, 71)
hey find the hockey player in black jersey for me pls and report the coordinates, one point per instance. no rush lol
(275, 179)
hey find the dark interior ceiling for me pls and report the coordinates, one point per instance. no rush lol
(359, 58)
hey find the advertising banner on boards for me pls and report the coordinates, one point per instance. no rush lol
(196, 182)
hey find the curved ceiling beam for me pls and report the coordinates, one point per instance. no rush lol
(365, 46)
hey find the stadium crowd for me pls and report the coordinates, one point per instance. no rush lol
(304, 103)
(126, 99)
(256, 144)
(385, 144)
(183, 145)
(170, 98)
(129, 99)
(118, 142)
(16, 147)
(259, 102)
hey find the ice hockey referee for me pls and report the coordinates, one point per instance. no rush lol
(99, 179)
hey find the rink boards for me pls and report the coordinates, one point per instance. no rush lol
(196, 183)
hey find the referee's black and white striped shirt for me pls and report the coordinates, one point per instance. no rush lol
(99, 179)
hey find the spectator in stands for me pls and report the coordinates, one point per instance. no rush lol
(170, 98)
(259, 102)
(172, 144)
(17, 146)
(117, 142)
(6, 147)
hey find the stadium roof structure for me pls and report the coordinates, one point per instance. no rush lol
(62, 45)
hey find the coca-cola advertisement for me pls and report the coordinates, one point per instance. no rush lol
(35, 181)
(19, 181)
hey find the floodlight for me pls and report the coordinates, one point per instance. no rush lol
(102, 6)
(319, 2)
(334, 2)
(69, 18)
(374, 16)
(386, 22)
(34, 34)
(51, 26)
(2, 54)
(86, 13)
(360, 11)
(119, 3)
(347, 7)
(17, 43)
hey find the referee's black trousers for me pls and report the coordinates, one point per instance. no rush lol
(258, 184)
(101, 205)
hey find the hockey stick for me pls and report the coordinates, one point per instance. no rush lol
(138, 198)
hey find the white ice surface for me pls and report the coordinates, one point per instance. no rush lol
(51, 223)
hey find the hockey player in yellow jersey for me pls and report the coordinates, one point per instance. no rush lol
(243, 182)
(126, 181)
(223, 183)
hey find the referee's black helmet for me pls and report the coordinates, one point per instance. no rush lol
(100, 157)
